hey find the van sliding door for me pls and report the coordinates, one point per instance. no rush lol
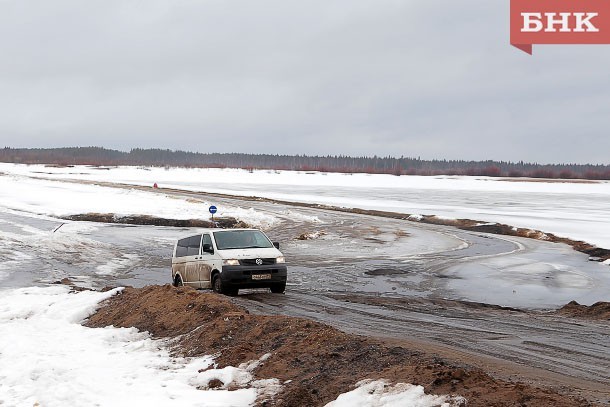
(205, 263)
(192, 260)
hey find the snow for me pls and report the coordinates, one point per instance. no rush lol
(578, 210)
(300, 216)
(241, 376)
(381, 394)
(63, 199)
(48, 357)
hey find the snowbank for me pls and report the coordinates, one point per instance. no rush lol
(380, 394)
(47, 357)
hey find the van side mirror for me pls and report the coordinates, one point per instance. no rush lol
(207, 248)
(277, 245)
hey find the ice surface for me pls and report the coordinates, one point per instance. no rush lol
(112, 266)
(578, 210)
(36, 249)
(544, 276)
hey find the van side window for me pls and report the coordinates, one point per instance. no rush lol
(182, 247)
(193, 249)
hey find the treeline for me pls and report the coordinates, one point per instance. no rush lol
(374, 165)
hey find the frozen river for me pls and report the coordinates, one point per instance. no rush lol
(578, 210)
(370, 275)
(354, 253)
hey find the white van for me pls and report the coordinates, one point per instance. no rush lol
(227, 260)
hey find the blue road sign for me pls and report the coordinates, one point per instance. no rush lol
(213, 209)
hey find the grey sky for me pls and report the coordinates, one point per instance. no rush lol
(435, 79)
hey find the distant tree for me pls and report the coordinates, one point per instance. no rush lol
(339, 163)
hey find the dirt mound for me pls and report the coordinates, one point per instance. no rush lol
(599, 310)
(227, 222)
(315, 362)
(311, 235)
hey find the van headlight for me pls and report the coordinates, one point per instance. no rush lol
(280, 259)
(230, 262)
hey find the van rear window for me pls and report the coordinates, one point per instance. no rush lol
(194, 242)
(182, 247)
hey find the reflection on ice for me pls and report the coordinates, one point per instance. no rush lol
(544, 275)
(46, 250)
(123, 262)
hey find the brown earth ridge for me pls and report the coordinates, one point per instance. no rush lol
(314, 362)
(224, 222)
(598, 311)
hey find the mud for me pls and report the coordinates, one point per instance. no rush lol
(597, 311)
(225, 222)
(386, 272)
(314, 361)
(538, 348)
(311, 235)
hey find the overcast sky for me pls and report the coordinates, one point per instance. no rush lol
(435, 79)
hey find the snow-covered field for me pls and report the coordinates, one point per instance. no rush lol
(578, 210)
(42, 197)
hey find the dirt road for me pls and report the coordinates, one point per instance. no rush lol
(426, 287)
(312, 363)
(387, 278)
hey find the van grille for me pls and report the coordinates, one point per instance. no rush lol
(252, 262)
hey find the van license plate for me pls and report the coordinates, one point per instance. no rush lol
(261, 276)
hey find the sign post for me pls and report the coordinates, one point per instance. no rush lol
(213, 210)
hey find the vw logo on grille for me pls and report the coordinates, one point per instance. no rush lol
(259, 261)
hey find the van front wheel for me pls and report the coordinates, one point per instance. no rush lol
(218, 287)
(217, 284)
(178, 281)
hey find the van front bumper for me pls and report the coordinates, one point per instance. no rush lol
(264, 276)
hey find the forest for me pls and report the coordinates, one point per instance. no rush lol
(99, 156)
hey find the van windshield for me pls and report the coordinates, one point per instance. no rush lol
(241, 239)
